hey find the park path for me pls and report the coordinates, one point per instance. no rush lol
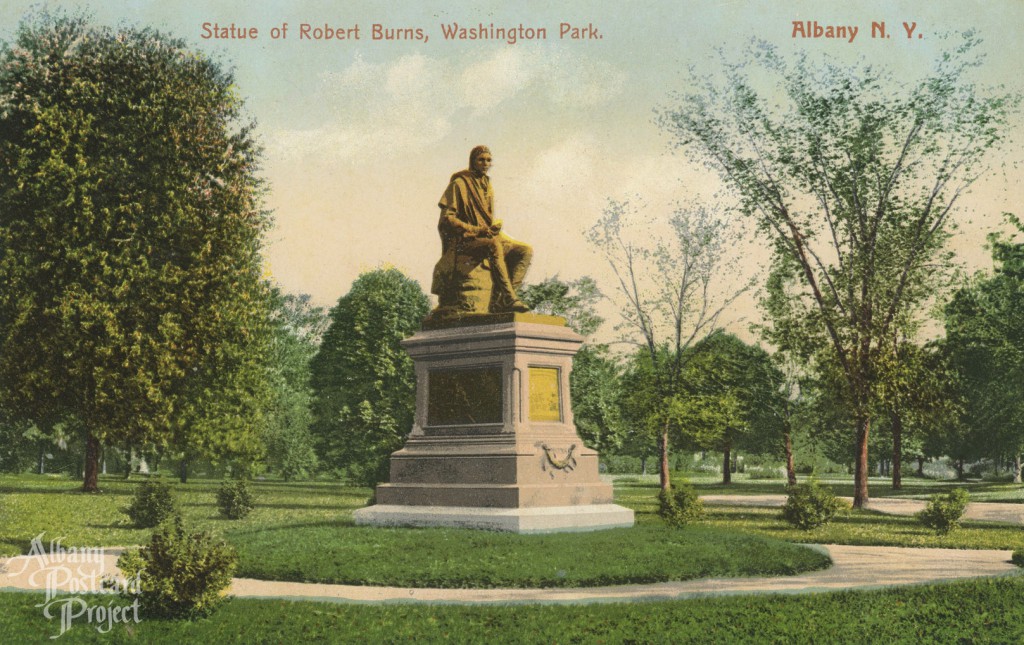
(980, 511)
(854, 567)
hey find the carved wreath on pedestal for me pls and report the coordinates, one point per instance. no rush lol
(552, 463)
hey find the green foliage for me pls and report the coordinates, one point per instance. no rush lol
(943, 512)
(131, 224)
(575, 301)
(235, 499)
(297, 329)
(363, 380)
(810, 505)
(152, 503)
(851, 174)
(1018, 557)
(969, 611)
(181, 573)
(680, 505)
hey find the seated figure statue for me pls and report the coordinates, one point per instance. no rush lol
(481, 268)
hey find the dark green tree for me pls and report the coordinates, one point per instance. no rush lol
(363, 381)
(985, 343)
(130, 234)
(298, 327)
(853, 176)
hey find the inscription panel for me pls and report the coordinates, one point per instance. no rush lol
(464, 396)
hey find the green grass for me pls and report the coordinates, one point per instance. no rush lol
(913, 488)
(852, 527)
(481, 559)
(304, 532)
(977, 611)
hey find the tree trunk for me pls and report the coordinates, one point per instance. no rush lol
(42, 460)
(643, 465)
(665, 481)
(897, 451)
(790, 465)
(920, 466)
(90, 481)
(860, 471)
(1016, 469)
(726, 466)
(183, 470)
(959, 466)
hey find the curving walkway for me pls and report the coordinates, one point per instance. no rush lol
(854, 567)
(980, 511)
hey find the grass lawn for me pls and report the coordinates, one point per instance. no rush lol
(851, 527)
(913, 487)
(304, 532)
(981, 611)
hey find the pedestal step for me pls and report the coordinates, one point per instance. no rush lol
(550, 519)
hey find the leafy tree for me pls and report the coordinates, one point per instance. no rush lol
(670, 297)
(594, 381)
(853, 177)
(130, 230)
(985, 343)
(363, 381)
(298, 327)
(738, 391)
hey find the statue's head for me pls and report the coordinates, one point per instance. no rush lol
(480, 159)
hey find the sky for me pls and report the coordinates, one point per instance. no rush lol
(361, 135)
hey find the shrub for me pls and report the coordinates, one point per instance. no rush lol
(810, 505)
(152, 503)
(680, 505)
(234, 499)
(180, 574)
(943, 512)
(1018, 557)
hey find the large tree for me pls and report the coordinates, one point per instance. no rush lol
(130, 234)
(363, 380)
(853, 176)
(985, 343)
(671, 292)
(298, 329)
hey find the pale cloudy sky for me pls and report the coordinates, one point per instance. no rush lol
(362, 135)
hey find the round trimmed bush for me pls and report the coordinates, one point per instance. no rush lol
(180, 574)
(152, 503)
(943, 512)
(235, 500)
(810, 505)
(680, 505)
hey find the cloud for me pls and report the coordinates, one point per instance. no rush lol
(412, 102)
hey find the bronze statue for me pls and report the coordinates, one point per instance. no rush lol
(481, 268)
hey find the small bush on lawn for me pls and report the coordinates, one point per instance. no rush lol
(1018, 557)
(180, 574)
(680, 505)
(943, 512)
(152, 503)
(234, 499)
(810, 505)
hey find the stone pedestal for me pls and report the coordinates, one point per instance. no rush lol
(493, 445)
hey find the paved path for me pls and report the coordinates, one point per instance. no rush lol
(855, 567)
(982, 511)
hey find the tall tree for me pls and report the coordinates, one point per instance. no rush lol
(985, 342)
(298, 328)
(363, 381)
(670, 293)
(130, 233)
(853, 176)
